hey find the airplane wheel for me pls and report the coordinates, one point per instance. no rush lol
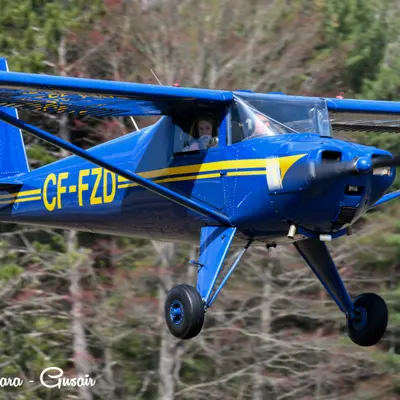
(370, 323)
(184, 311)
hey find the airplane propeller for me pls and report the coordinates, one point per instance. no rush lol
(358, 166)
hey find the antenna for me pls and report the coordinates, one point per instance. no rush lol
(155, 76)
(134, 123)
(132, 119)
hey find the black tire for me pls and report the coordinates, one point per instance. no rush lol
(184, 311)
(370, 325)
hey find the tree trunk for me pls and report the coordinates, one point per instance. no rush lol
(170, 348)
(265, 326)
(79, 345)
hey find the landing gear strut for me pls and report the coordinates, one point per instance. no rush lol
(185, 305)
(367, 315)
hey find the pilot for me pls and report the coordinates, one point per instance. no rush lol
(258, 124)
(204, 130)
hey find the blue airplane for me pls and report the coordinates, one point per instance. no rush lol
(231, 168)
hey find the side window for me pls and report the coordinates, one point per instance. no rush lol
(200, 132)
(182, 140)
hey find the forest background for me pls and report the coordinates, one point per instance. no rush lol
(93, 304)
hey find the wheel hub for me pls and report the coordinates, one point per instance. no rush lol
(176, 312)
(359, 318)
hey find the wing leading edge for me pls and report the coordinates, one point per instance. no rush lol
(56, 94)
(350, 115)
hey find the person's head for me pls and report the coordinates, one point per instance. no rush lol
(258, 124)
(262, 125)
(204, 126)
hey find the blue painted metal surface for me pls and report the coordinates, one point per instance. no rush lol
(364, 164)
(55, 94)
(13, 160)
(214, 245)
(363, 106)
(148, 184)
(176, 312)
(387, 197)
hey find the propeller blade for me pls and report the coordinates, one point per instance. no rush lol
(384, 161)
(331, 169)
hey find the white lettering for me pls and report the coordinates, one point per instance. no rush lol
(14, 382)
(59, 380)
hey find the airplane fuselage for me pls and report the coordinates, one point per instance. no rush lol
(234, 180)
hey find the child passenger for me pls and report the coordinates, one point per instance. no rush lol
(204, 130)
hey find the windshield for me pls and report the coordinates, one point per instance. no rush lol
(270, 115)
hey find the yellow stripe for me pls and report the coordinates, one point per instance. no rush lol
(244, 173)
(188, 178)
(11, 201)
(195, 177)
(19, 194)
(285, 163)
(198, 168)
(28, 199)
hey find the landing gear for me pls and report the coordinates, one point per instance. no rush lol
(185, 305)
(370, 319)
(367, 316)
(184, 311)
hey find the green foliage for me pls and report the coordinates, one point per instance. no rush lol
(30, 30)
(359, 28)
(201, 366)
(40, 155)
(386, 84)
(10, 271)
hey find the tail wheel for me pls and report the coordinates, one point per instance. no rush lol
(184, 311)
(369, 324)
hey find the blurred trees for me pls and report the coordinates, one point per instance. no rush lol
(94, 304)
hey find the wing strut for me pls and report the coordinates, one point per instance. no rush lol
(143, 182)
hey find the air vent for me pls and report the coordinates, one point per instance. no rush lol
(331, 156)
(346, 215)
(354, 190)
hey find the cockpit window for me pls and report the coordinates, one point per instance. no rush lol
(255, 115)
(196, 132)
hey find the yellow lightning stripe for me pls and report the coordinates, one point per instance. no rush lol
(196, 177)
(198, 168)
(176, 179)
(20, 194)
(161, 175)
(285, 163)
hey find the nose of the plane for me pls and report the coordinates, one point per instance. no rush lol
(330, 203)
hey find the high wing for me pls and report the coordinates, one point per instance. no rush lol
(57, 94)
(348, 115)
